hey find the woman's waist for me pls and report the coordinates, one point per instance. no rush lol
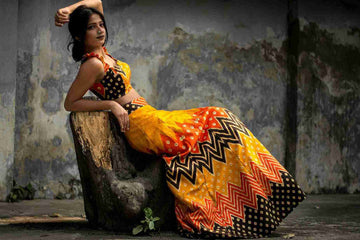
(127, 98)
(135, 104)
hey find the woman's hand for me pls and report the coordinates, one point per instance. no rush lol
(121, 115)
(62, 16)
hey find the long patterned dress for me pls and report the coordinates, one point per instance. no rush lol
(225, 182)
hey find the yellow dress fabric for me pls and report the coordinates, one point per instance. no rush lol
(225, 182)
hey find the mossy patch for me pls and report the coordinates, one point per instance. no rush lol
(344, 60)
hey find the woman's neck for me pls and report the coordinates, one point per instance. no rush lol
(100, 51)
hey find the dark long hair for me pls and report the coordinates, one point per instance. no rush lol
(79, 19)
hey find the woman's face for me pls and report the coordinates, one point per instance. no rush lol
(95, 33)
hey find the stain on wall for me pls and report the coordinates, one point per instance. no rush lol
(210, 69)
(329, 94)
(44, 154)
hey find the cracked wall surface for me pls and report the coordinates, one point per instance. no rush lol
(186, 54)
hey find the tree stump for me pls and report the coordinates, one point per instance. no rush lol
(117, 181)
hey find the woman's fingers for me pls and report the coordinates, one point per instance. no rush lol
(60, 23)
(62, 12)
(124, 122)
(61, 17)
(122, 116)
(128, 124)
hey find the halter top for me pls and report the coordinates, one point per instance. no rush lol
(116, 82)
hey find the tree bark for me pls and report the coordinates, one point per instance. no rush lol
(118, 182)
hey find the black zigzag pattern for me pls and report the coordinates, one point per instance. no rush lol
(214, 149)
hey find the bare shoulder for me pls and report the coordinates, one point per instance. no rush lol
(92, 67)
(92, 64)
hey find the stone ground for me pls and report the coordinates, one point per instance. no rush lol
(318, 217)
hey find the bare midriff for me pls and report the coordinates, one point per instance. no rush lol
(131, 95)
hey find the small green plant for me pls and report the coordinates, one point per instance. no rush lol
(148, 224)
(19, 193)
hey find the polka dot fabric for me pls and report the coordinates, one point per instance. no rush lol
(113, 85)
(135, 104)
(225, 182)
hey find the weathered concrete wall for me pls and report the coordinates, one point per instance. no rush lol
(8, 19)
(183, 54)
(186, 54)
(328, 156)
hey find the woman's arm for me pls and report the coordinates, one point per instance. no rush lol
(89, 72)
(62, 15)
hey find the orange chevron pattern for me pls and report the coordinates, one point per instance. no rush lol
(139, 101)
(268, 170)
(231, 205)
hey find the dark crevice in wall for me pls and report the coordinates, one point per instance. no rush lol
(291, 88)
(10, 169)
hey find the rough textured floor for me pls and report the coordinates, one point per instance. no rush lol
(319, 217)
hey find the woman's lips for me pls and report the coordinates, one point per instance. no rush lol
(100, 37)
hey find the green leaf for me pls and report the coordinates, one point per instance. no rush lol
(148, 212)
(138, 229)
(151, 225)
(148, 224)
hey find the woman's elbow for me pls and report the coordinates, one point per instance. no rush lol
(67, 106)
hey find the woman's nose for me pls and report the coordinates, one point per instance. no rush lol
(100, 29)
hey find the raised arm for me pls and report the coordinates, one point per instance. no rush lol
(62, 15)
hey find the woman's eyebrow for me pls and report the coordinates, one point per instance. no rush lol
(91, 23)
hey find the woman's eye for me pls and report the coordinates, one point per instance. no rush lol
(101, 24)
(90, 27)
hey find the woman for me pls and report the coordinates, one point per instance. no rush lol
(225, 182)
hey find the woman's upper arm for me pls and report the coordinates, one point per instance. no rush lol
(97, 4)
(100, 7)
(89, 72)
